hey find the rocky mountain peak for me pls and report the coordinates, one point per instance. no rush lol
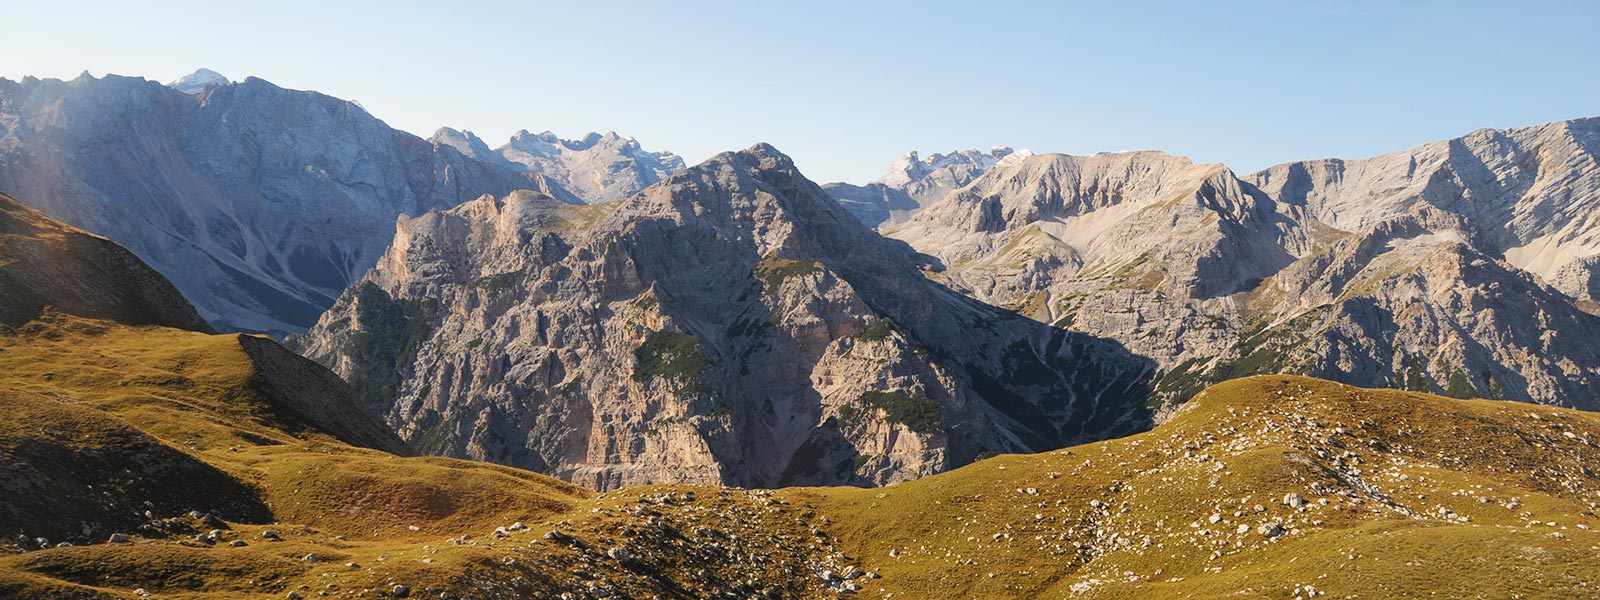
(198, 81)
(766, 338)
(912, 167)
(465, 142)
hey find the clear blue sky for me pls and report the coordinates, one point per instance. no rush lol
(846, 87)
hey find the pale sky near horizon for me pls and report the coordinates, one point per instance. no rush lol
(846, 87)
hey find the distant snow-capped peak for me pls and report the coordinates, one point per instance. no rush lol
(197, 81)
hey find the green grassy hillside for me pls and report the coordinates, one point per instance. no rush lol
(1266, 487)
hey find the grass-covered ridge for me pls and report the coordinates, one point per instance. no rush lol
(1263, 487)
(1395, 494)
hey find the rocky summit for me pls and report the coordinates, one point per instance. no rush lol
(1460, 267)
(731, 324)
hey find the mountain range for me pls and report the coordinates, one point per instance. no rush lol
(603, 313)
(731, 324)
(262, 204)
(1458, 267)
(144, 460)
(987, 374)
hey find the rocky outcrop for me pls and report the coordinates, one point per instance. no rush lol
(47, 265)
(914, 182)
(260, 203)
(598, 167)
(1409, 270)
(731, 324)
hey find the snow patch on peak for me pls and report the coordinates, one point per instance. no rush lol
(198, 81)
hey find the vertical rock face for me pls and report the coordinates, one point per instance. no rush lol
(914, 182)
(731, 324)
(261, 204)
(1428, 269)
(599, 167)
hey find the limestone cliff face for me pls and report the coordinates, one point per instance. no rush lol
(1429, 269)
(261, 204)
(731, 324)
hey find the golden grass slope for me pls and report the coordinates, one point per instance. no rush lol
(1400, 495)
(1267, 487)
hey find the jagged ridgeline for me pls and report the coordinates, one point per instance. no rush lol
(731, 324)
(1464, 267)
(262, 204)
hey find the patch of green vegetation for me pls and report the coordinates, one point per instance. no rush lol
(388, 334)
(435, 431)
(497, 282)
(879, 330)
(1260, 361)
(748, 327)
(861, 461)
(773, 271)
(1416, 379)
(918, 414)
(695, 387)
(671, 355)
(847, 413)
(1492, 386)
(1263, 349)
(1182, 381)
(1133, 274)
(1460, 386)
